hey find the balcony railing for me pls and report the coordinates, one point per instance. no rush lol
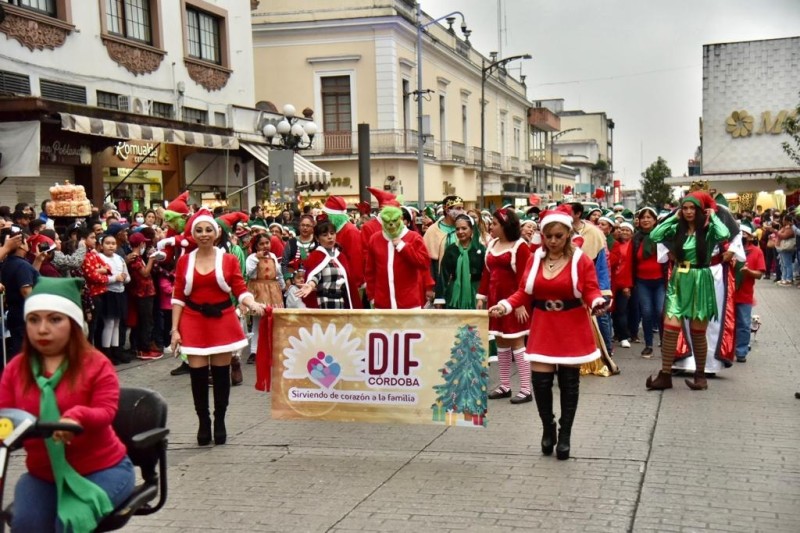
(545, 158)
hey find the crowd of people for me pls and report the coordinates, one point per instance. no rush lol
(157, 281)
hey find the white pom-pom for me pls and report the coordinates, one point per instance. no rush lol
(184, 243)
(536, 239)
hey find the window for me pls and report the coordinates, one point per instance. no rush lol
(517, 138)
(55, 90)
(108, 100)
(203, 35)
(130, 19)
(503, 136)
(196, 116)
(220, 119)
(406, 104)
(336, 109)
(160, 109)
(11, 82)
(442, 118)
(48, 7)
(464, 129)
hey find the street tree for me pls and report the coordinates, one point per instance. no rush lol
(792, 149)
(655, 191)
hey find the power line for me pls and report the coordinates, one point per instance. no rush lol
(619, 76)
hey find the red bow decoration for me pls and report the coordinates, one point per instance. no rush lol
(502, 214)
(322, 217)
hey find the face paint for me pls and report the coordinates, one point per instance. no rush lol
(453, 212)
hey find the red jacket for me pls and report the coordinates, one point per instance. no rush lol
(349, 238)
(622, 274)
(96, 283)
(93, 403)
(398, 276)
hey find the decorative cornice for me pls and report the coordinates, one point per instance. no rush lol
(330, 59)
(137, 58)
(211, 77)
(33, 30)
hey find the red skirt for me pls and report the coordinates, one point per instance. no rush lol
(561, 337)
(202, 335)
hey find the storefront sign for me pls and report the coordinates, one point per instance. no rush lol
(64, 153)
(138, 153)
(410, 367)
(743, 124)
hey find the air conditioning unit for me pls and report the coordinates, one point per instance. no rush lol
(140, 106)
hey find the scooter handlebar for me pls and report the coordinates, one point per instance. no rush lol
(46, 429)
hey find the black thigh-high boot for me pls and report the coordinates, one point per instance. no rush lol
(543, 393)
(569, 384)
(222, 392)
(199, 377)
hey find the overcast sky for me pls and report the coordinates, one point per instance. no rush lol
(639, 61)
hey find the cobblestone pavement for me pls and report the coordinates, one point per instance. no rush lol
(721, 460)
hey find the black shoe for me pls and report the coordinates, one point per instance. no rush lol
(220, 433)
(204, 431)
(522, 398)
(797, 395)
(252, 359)
(499, 393)
(124, 356)
(647, 353)
(181, 370)
(741, 359)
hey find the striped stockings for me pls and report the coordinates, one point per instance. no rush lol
(524, 372)
(504, 365)
(669, 345)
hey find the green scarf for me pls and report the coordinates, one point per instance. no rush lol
(463, 296)
(81, 503)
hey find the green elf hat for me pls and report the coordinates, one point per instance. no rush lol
(627, 224)
(430, 211)
(61, 295)
(746, 227)
(608, 217)
(645, 209)
(588, 213)
(228, 221)
(721, 200)
(618, 207)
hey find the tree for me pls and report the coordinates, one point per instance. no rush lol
(792, 127)
(465, 375)
(655, 192)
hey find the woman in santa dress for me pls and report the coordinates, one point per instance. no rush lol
(507, 255)
(561, 284)
(204, 323)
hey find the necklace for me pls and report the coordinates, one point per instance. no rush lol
(554, 263)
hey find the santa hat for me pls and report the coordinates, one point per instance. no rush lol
(229, 221)
(36, 239)
(180, 204)
(384, 198)
(627, 225)
(202, 215)
(701, 199)
(364, 208)
(60, 295)
(562, 213)
(335, 205)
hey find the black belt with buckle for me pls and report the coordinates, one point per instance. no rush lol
(209, 310)
(557, 305)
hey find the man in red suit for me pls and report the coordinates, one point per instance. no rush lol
(398, 265)
(349, 238)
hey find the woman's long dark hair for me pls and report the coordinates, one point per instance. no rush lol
(257, 239)
(699, 236)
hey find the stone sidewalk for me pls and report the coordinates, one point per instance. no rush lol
(727, 459)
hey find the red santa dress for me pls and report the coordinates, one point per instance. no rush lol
(502, 276)
(398, 276)
(349, 238)
(201, 334)
(561, 329)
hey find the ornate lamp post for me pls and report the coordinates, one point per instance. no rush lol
(291, 132)
(486, 70)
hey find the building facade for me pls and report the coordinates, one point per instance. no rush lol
(131, 99)
(357, 64)
(749, 89)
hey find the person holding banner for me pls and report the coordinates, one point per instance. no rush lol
(327, 271)
(264, 281)
(204, 324)
(561, 283)
(507, 255)
(461, 268)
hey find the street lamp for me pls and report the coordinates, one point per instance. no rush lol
(291, 132)
(552, 158)
(420, 93)
(485, 71)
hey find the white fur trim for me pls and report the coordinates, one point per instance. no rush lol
(54, 303)
(219, 272)
(390, 273)
(574, 271)
(480, 297)
(401, 246)
(225, 348)
(556, 217)
(187, 290)
(175, 301)
(574, 360)
(519, 242)
(598, 301)
(516, 335)
(506, 306)
(662, 253)
(244, 295)
(737, 248)
(335, 260)
(333, 211)
(537, 260)
(204, 218)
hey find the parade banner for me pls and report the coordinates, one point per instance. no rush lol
(408, 367)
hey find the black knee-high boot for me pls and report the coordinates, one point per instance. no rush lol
(569, 384)
(199, 377)
(543, 393)
(222, 392)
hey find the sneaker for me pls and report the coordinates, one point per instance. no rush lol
(784, 283)
(647, 353)
(625, 343)
(167, 350)
(149, 356)
(635, 339)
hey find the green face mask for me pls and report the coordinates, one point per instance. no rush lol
(392, 219)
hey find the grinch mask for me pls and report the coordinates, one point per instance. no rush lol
(392, 221)
(174, 220)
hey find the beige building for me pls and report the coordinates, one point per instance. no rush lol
(355, 62)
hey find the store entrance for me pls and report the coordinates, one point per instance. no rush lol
(133, 191)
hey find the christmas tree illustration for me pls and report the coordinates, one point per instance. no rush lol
(465, 376)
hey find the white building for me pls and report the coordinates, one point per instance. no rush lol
(749, 88)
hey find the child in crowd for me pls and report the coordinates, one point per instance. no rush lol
(747, 273)
(112, 300)
(293, 301)
(143, 291)
(265, 283)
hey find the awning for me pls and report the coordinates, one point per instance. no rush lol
(136, 132)
(304, 170)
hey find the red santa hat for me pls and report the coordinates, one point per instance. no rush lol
(335, 205)
(364, 208)
(230, 220)
(202, 215)
(562, 213)
(180, 204)
(701, 199)
(384, 198)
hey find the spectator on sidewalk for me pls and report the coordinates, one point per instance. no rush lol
(18, 277)
(744, 298)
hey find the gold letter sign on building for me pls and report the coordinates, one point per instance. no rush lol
(741, 123)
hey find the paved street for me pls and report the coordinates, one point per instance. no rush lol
(727, 459)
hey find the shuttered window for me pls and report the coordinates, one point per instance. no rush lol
(54, 90)
(11, 82)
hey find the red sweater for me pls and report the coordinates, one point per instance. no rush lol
(93, 403)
